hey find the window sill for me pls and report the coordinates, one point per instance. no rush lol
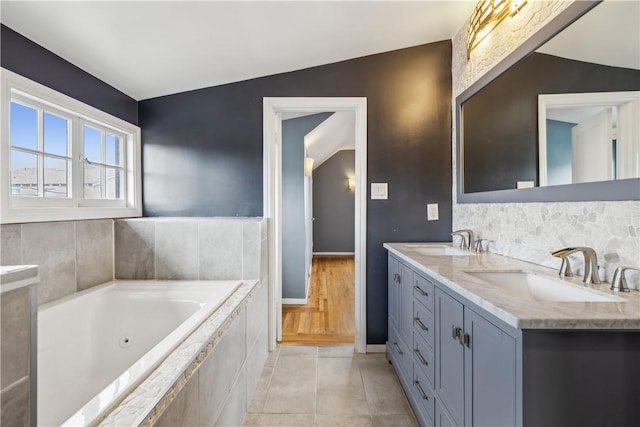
(17, 216)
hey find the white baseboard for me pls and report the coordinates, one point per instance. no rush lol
(376, 348)
(334, 253)
(294, 301)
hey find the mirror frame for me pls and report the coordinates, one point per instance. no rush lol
(625, 189)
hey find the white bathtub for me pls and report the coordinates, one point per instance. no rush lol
(96, 345)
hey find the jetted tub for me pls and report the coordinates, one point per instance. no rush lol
(97, 345)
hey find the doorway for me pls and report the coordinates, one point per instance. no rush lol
(272, 171)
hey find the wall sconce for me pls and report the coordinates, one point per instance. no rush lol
(486, 16)
(308, 166)
(351, 184)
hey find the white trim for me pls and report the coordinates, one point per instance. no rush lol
(567, 100)
(272, 178)
(333, 253)
(376, 348)
(14, 210)
(294, 301)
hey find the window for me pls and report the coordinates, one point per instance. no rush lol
(62, 159)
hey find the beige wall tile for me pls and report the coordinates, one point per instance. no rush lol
(184, 409)
(176, 250)
(15, 404)
(10, 244)
(134, 249)
(51, 246)
(94, 252)
(15, 312)
(220, 250)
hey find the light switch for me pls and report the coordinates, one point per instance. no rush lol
(432, 212)
(525, 184)
(379, 191)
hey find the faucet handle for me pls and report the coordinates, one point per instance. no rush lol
(619, 282)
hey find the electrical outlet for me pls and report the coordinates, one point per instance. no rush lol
(432, 212)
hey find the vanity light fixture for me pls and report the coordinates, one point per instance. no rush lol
(486, 16)
(351, 183)
(308, 166)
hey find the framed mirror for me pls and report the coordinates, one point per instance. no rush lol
(558, 119)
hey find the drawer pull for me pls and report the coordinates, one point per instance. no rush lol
(420, 390)
(398, 348)
(419, 355)
(419, 323)
(420, 291)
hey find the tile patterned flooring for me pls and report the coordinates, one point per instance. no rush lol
(304, 386)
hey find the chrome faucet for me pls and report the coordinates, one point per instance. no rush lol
(590, 263)
(466, 236)
(480, 245)
(619, 282)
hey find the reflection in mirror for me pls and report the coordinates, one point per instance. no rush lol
(504, 145)
(588, 137)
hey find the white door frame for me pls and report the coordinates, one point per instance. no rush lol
(272, 195)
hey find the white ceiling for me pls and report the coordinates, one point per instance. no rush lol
(153, 48)
(336, 133)
(609, 34)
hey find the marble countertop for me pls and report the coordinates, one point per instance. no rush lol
(16, 276)
(517, 310)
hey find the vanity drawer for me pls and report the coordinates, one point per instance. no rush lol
(423, 394)
(423, 291)
(423, 324)
(423, 357)
(401, 358)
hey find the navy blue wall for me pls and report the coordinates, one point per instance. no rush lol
(24, 57)
(334, 205)
(203, 149)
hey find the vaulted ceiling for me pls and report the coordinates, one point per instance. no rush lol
(153, 48)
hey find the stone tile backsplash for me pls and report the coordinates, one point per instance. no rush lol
(190, 248)
(530, 230)
(72, 255)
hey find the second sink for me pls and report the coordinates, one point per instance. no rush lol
(541, 288)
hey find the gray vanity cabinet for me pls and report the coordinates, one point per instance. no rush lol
(476, 366)
(456, 367)
(450, 355)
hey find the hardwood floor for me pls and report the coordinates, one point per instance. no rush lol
(329, 315)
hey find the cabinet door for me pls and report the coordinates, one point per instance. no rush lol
(450, 355)
(490, 373)
(393, 288)
(406, 304)
(442, 419)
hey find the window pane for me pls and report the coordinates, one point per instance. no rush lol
(92, 182)
(24, 174)
(114, 184)
(55, 177)
(114, 148)
(24, 126)
(55, 135)
(92, 148)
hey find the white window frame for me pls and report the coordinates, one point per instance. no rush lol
(41, 209)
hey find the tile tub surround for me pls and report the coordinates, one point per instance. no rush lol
(209, 378)
(190, 248)
(17, 329)
(71, 255)
(611, 228)
(328, 386)
(522, 312)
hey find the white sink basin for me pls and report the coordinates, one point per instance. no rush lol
(437, 250)
(541, 288)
